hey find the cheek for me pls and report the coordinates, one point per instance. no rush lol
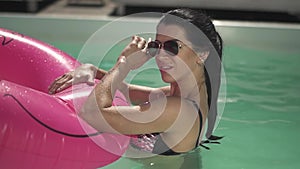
(191, 59)
(182, 68)
(186, 62)
(186, 67)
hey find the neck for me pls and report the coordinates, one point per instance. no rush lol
(190, 86)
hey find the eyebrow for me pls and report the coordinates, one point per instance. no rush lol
(169, 40)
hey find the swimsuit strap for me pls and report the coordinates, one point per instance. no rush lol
(201, 122)
(154, 143)
(160, 147)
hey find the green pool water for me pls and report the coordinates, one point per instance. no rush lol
(261, 117)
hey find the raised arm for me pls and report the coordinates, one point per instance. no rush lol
(87, 73)
(156, 116)
(144, 118)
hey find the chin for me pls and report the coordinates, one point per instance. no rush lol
(167, 78)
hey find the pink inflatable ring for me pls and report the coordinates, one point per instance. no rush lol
(42, 131)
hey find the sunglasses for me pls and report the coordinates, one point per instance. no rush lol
(171, 47)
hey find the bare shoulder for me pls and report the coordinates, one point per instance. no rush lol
(181, 122)
(172, 108)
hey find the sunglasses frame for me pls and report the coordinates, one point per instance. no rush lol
(161, 45)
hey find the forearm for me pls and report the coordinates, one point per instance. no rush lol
(95, 109)
(135, 93)
(112, 81)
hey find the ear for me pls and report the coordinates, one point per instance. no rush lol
(202, 56)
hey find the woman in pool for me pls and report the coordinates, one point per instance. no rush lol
(167, 120)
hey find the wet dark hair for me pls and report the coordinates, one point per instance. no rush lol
(205, 25)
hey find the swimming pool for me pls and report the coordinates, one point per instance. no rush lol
(261, 117)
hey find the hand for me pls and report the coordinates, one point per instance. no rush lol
(135, 52)
(83, 74)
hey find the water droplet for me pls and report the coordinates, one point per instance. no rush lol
(21, 94)
(7, 88)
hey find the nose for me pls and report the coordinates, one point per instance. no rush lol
(162, 53)
(162, 56)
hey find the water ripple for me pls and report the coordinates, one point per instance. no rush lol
(256, 121)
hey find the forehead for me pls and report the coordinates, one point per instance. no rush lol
(167, 32)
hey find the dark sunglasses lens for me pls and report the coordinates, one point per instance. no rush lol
(152, 48)
(171, 47)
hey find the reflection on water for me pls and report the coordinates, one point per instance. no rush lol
(191, 160)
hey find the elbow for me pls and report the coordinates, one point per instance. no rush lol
(85, 114)
(99, 120)
(88, 112)
(90, 117)
(88, 109)
(82, 112)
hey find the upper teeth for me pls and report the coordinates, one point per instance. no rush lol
(166, 67)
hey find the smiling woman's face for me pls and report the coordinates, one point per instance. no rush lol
(175, 68)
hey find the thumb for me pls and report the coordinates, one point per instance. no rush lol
(146, 46)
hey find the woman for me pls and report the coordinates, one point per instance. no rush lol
(167, 120)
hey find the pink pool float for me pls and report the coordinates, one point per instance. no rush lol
(42, 131)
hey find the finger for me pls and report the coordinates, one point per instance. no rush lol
(62, 78)
(135, 40)
(64, 86)
(142, 43)
(146, 45)
(55, 80)
(135, 37)
(58, 82)
(53, 88)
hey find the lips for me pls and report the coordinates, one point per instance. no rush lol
(165, 67)
(164, 63)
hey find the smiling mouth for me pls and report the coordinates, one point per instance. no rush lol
(165, 67)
